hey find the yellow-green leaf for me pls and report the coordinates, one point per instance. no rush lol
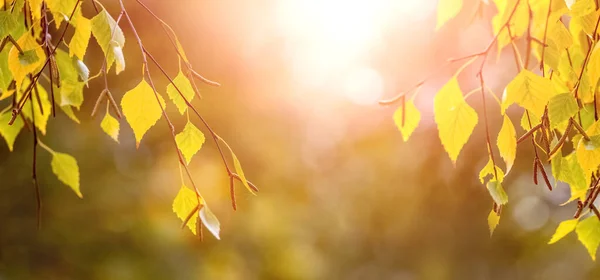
(10, 132)
(561, 107)
(35, 6)
(488, 170)
(106, 31)
(530, 91)
(493, 221)
(184, 85)
(507, 143)
(564, 228)
(454, 117)
(141, 109)
(79, 41)
(189, 141)
(183, 204)
(66, 169)
(110, 125)
(588, 232)
(68, 110)
(238, 167)
(41, 116)
(412, 117)
(447, 10)
(210, 221)
(568, 170)
(497, 192)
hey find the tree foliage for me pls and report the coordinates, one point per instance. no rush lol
(555, 47)
(43, 73)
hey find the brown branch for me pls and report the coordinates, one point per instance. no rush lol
(189, 216)
(562, 139)
(544, 175)
(580, 129)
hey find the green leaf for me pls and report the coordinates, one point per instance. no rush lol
(507, 143)
(106, 31)
(497, 192)
(588, 232)
(210, 221)
(10, 132)
(530, 91)
(564, 228)
(454, 117)
(561, 107)
(447, 10)
(79, 42)
(568, 170)
(141, 109)
(183, 204)
(493, 221)
(184, 85)
(8, 23)
(66, 169)
(189, 141)
(412, 117)
(110, 125)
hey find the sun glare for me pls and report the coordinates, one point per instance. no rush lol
(328, 40)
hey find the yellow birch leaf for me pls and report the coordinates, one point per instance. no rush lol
(189, 141)
(588, 232)
(68, 110)
(238, 167)
(564, 228)
(447, 10)
(454, 117)
(141, 109)
(10, 132)
(110, 125)
(41, 116)
(66, 169)
(412, 117)
(184, 85)
(530, 91)
(488, 170)
(183, 204)
(35, 6)
(493, 221)
(79, 41)
(507, 143)
(31, 60)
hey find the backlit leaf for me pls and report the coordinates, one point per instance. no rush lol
(141, 109)
(564, 228)
(10, 132)
(412, 117)
(493, 221)
(488, 170)
(507, 143)
(530, 91)
(106, 31)
(66, 169)
(81, 38)
(184, 85)
(497, 192)
(561, 107)
(238, 167)
(189, 141)
(447, 10)
(41, 117)
(454, 117)
(31, 60)
(588, 232)
(183, 204)
(111, 126)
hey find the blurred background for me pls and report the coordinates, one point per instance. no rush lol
(341, 195)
